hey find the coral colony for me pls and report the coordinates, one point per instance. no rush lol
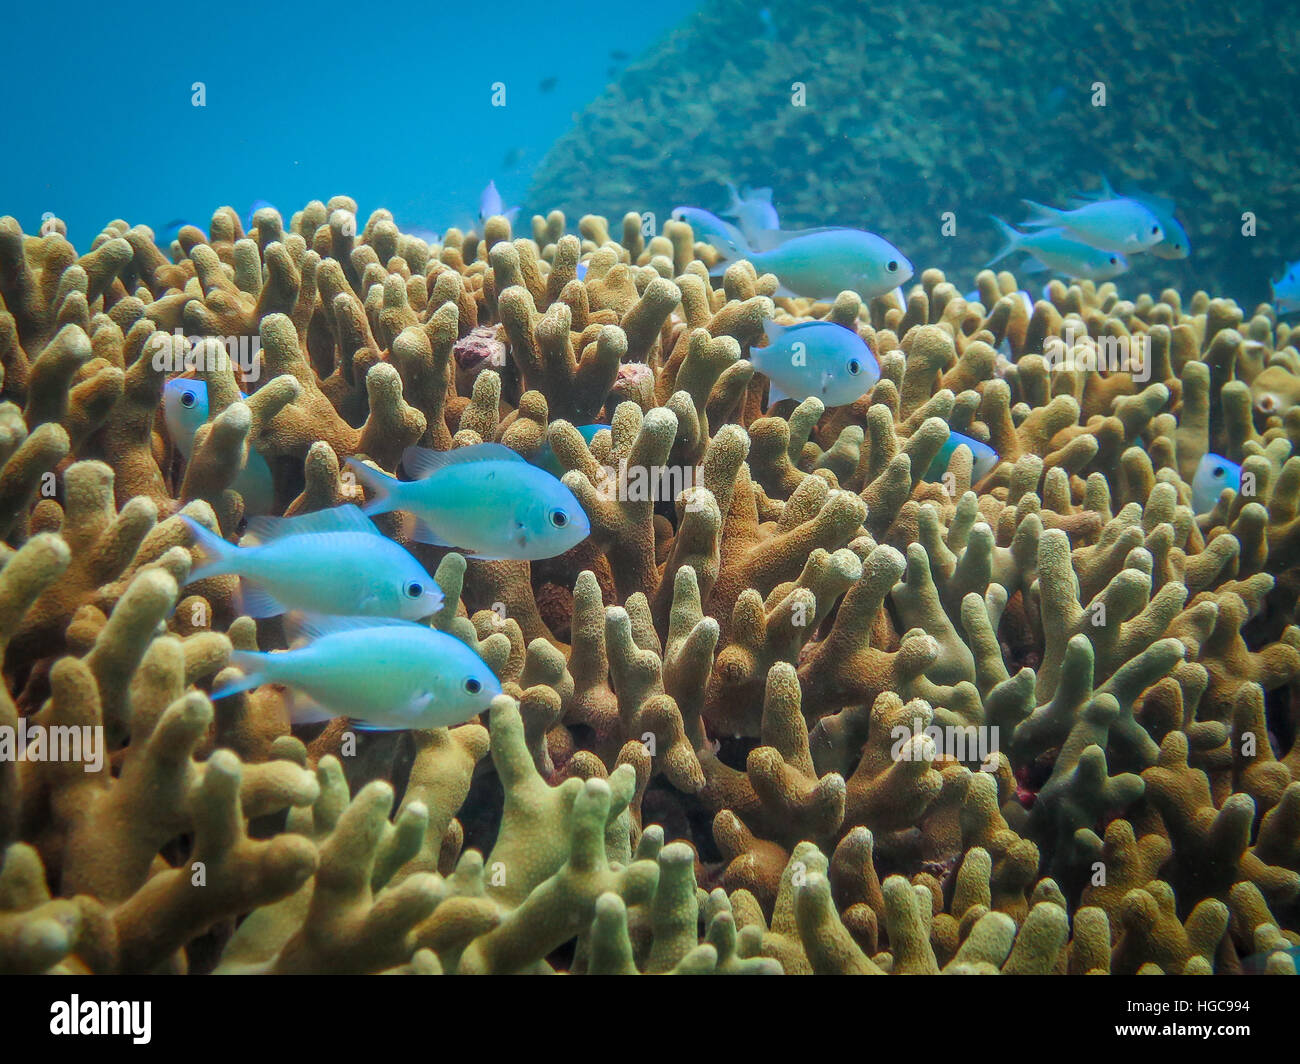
(988, 665)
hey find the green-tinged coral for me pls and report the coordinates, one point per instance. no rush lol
(795, 705)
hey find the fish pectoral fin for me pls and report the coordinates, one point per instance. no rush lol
(424, 534)
(775, 394)
(257, 602)
(304, 709)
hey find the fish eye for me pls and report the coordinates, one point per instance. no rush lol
(558, 518)
(1155, 230)
(1218, 472)
(1114, 261)
(892, 265)
(187, 399)
(472, 685)
(854, 366)
(414, 589)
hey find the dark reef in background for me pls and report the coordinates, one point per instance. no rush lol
(917, 109)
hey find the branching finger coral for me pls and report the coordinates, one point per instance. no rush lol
(803, 701)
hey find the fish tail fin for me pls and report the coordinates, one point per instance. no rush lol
(220, 554)
(735, 202)
(253, 665)
(1041, 215)
(1011, 237)
(379, 485)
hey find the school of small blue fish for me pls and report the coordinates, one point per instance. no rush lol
(1095, 237)
(366, 657)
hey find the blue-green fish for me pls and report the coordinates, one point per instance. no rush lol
(381, 675)
(1213, 475)
(1175, 243)
(822, 263)
(710, 229)
(1056, 250)
(986, 458)
(333, 561)
(1286, 290)
(753, 212)
(546, 458)
(185, 408)
(485, 501)
(1119, 224)
(815, 358)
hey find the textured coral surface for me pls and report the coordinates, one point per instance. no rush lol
(807, 712)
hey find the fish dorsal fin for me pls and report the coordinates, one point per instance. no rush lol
(774, 238)
(772, 330)
(346, 518)
(1159, 203)
(311, 626)
(814, 323)
(422, 463)
(763, 195)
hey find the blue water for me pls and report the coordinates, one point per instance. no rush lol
(303, 102)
